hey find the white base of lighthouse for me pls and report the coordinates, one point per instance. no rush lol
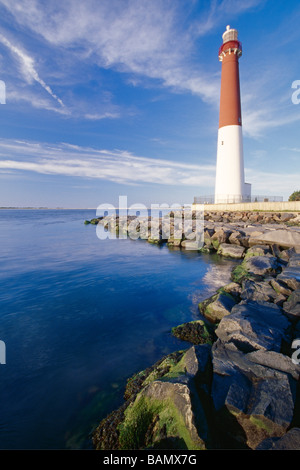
(230, 181)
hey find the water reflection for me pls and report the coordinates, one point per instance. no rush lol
(79, 316)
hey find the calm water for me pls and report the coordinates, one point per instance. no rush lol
(79, 316)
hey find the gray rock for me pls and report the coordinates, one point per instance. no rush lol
(290, 275)
(258, 398)
(291, 278)
(259, 250)
(231, 251)
(258, 291)
(192, 245)
(289, 441)
(282, 237)
(261, 265)
(233, 288)
(285, 216)
(221, 235)
(254, 325)
(280, 299)
(287, 254)
(180, 396)
(238, 237)
(280, 287)
(219, 307)
(196, 359)
(292, 305)
(295, 261)
(276, 252)
(276, 361)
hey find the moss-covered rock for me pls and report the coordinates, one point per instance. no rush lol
(154, 372)
(195, 332)
(155, 241)
(217, 306)
(240, 273)
(162, 408)
(231, 251)
(160, 417)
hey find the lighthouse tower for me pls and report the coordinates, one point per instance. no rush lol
(230, 180)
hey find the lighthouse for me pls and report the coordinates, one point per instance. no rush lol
(230, 180)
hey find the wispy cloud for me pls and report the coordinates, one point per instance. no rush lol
(137, 37)
(29, 97)
(117, 165)
(123, 167)
(27, 66)
(147, 41)
(220, 9)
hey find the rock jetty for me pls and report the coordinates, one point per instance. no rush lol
(237, 385)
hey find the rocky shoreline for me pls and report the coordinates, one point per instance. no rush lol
(237, 385)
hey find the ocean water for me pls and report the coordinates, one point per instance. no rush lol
(79, 315)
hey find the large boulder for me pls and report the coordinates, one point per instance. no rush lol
(218, 306)
(252, 290)
(254, 325)
(221, 235)
(280, 287)
(282, 237)
(290, 275)
(255, 267)
(231, 251)
(261, 265)
(252, 400)
(258, 250)
(238, 237)
(234, 289)
(167, 413)
(289, 441)
(292, 305)
(162, 408)
(161, 417)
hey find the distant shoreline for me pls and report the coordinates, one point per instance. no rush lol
(50, 208)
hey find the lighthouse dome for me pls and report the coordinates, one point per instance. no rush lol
(230, 34)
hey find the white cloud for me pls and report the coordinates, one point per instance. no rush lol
(136, 36)
(118, 165)
(23, 95)
(147, 39)
(98, 116)
(27, 66)
(121, 166)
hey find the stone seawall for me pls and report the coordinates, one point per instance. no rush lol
(292, 206)
(237, 385)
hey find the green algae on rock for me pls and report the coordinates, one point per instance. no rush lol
(195, 332)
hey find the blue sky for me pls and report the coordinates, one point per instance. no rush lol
(121, 97)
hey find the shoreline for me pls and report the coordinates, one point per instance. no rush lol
(237, 385)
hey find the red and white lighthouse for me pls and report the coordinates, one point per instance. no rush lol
(230, 180)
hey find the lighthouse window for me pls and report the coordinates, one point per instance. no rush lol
(222, 142)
